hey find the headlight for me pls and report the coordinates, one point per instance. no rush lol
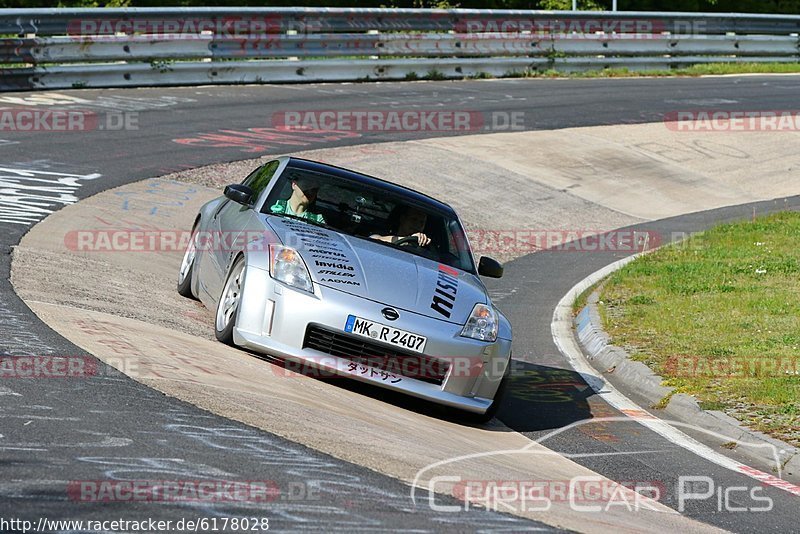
(286, 265)
(482, 324)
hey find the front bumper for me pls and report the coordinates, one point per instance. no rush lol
(273, 318)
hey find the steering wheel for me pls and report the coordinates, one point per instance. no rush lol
(409, 239)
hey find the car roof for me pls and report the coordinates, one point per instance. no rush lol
(410, 194)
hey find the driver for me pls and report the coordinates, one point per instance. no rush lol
(405, 221)
(304, 194)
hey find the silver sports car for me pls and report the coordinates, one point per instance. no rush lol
(338, 272)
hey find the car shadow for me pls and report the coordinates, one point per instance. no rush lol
(538, 397)
(544, 398)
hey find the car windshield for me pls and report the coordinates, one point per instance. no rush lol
(366, 212)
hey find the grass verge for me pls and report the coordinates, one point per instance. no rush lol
(718, 317)
(705, 69)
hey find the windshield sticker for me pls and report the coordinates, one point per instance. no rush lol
(446, 288)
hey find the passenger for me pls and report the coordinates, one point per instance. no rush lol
(304, 194)
(405, 221)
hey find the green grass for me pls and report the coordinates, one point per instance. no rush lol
(694, 70)
(719, 317)
(741, 68)
(583, 299)
(434, 74)
(480, 76)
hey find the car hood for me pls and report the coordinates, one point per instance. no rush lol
(380, 273)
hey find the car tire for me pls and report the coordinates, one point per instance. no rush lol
(187, 267)
(229, 301)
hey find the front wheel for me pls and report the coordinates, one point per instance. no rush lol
(228, 305)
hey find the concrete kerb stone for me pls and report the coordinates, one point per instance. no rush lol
(612, 359)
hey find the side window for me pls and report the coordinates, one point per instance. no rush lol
(247, 181)
(261, 177)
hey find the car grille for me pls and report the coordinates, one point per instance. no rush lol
(373, 355)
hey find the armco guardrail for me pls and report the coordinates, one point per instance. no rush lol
(59, 48)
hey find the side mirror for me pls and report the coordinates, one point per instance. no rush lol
(490, 267)
(239, 193)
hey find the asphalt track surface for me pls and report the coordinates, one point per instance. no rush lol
(82, 426)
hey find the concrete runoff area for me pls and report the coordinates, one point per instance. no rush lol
(648, 171)
(122, 305)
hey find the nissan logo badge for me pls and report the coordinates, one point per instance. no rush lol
(390, 313)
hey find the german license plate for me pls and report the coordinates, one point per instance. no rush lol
(387, 334)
